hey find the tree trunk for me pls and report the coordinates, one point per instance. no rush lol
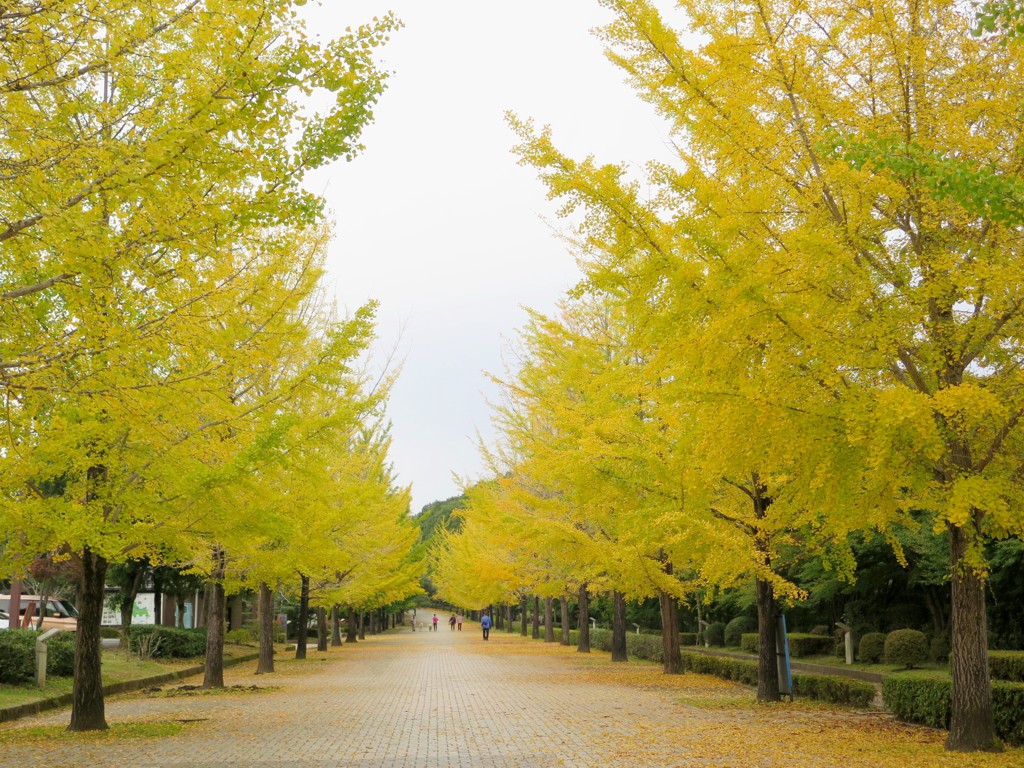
(321, 629)
(767, 618)
(128, 603)
(303, 622)
(351, 630)
(336, 625)
(213, 669)
(549, 620)
(536, 617)
(87, 710)
(563, 603)
(523, 613)
(619, 627)
(700, 620)
(972, 725)
(235, 613)
(14, 607)
(508, 618)
(583, 646)
(673, 662)
(266, 630)
(362, 625)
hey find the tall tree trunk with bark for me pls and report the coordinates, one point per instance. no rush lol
(265, 664)
(523, 613)
(14, 607)
(972, 724)
(536, 617)
(619, 627)
(767, 608)
(508, 618)
(583, 646)
(87, 708)
(128, 602)
(673, 658)
(321, 629)
(563, 603)
(362, 625)
(767, 651)
(351, 630)
(336, 625)
(213, 669)
(549, 621)
(303, 622)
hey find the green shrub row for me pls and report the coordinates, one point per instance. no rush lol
(243, 636)
(18, 655)
(800, 645)
(827, 688)
(832, 689)
(928, 701)
(1006, 665)
(168, 642)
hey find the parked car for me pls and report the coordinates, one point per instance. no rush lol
(57, 613)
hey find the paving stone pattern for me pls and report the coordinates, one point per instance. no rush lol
(399, 700)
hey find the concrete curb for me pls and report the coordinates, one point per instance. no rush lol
(35, 707)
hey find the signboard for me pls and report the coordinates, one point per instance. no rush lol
(144, 611)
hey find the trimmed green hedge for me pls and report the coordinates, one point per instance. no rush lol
(60, 655)
(928, 701)
(1006, 665)
(243, 636)
(832, 689)
(169, 642)
(801, 645)
(687, 638)
(641, 646)
(18, 655)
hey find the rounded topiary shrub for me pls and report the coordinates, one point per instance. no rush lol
(715, 634)
(736, 628)
(871, 648)
(906, 647)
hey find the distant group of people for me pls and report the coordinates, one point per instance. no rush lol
(455, 621)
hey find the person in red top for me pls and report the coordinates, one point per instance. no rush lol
(435, 622)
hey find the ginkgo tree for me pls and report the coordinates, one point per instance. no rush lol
(896, 304)
(155, 154)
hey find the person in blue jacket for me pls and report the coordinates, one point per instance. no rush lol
(485, 624)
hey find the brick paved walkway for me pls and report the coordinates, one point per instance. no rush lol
(402, 700)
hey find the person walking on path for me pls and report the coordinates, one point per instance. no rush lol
(485, 625)
(451, 622)
(460, 622)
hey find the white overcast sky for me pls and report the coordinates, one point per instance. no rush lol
(436, 220)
